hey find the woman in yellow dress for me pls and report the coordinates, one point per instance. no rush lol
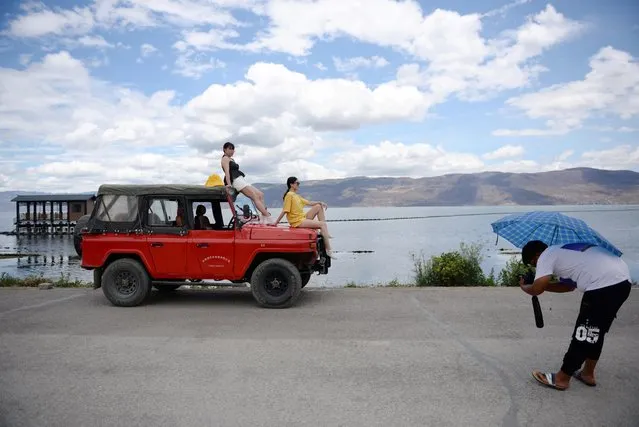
(294, 210)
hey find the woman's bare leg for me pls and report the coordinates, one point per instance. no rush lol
(318, 225)
(316, 211)
(252, 193)
(260, 194)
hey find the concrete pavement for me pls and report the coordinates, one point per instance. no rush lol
(340, 357)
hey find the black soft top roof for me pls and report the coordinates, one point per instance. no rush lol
(163, 189)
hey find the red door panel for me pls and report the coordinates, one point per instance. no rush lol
(169, 253)
(210, 253)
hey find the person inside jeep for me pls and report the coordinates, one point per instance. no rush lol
(201, 221)
(179, 219)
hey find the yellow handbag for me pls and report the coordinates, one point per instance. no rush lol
(214, 180)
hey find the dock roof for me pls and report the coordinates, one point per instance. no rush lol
(53, 197)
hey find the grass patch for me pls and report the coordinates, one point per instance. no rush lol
(392, 284)
(32, 281)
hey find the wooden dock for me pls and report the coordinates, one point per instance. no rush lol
(50, 213)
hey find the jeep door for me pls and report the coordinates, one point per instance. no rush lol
(166, 240)
(211, 241)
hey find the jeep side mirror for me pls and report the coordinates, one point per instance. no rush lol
(246, 211)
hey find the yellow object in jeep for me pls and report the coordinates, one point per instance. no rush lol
(214, 181)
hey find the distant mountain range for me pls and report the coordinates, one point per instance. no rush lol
(578, 186)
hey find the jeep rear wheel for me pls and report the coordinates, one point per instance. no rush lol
(126, 283)
(77, 237)
(276, 283)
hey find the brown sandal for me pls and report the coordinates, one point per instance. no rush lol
(577, 375)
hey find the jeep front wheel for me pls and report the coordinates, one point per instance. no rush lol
(276, 283)
(126, 283)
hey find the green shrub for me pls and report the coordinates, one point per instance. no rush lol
(491, 280)
(32, 281)
(455, 268)
(509, 275)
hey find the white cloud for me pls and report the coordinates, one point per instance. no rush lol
(283, 121)
(40, 21)
(57, 101)
(531, 132)
(397, 159)
(90, 41)
(505, 8)
(43, 21)
(147, 49)
(459, 59)
(274, 113)
(351, 64)
(184, 13)
(295, 26)
(84, 173)
(195, 65)
(25, 59)
(505, 152)
(611, 87)
(626, 129)
(620, 157)
(476, 68)
(207, 40)
(565, 155)
(274, 94)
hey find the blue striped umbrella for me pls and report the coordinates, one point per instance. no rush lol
(552, 228)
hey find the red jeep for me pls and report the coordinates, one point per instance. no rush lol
(164, 236)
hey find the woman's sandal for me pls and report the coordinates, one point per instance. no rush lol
(577, 375)
(547, 379)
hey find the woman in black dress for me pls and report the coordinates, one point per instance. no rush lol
(235, 178)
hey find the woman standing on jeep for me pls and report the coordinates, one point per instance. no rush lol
(234, 177)
(294, 210)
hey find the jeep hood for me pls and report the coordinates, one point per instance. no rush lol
(279, 233)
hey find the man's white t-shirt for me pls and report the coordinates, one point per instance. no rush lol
(595, 268)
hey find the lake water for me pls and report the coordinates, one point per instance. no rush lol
(391, 242)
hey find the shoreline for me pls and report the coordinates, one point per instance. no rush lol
(34, 282)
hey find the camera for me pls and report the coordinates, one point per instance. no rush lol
(529, 277)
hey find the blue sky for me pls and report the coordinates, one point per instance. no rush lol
(147, 91)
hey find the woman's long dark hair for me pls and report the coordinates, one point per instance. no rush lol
(289, 182)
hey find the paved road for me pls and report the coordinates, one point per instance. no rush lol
(347, 357)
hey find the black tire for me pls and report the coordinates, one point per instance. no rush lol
(166, 288)
(306, 276)
(126, 283)
(276, 283)
(77, 237)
